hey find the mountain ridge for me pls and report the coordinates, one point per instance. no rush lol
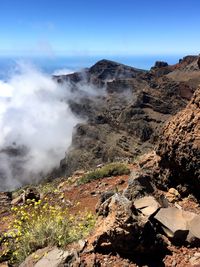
(131, 113)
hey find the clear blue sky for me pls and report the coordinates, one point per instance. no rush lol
(99, 27)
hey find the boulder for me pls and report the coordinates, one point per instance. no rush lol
(51, 257)
(173, 223)
(139, 185)
(54, 258)
(147, 205)
(179, 147)
(179, 225)
(103, 197)
(194, 230)
(122, 229)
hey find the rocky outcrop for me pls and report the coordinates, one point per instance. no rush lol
(179, 147)
(123, 229)
(186, 70)
(142, 226)
(125, 121)
(139, 185)
(179, 225)
(142, 210)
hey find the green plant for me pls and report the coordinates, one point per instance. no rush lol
(38, 224)
(112, 169)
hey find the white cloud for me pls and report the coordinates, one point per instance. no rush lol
(62, 72)
(33, 113)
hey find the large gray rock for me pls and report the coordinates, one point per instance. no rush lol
(147, 205)
(178, 224)
(173, 223)
(194, 229)
(54, 258)
(51, 257)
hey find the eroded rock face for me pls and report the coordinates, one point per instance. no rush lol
(123, 229)
(179, 146)
(125, 121)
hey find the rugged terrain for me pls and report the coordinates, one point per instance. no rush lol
(125, 118)
(150, 217)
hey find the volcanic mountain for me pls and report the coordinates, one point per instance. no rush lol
(124, 118)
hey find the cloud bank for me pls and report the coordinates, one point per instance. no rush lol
(36, 126)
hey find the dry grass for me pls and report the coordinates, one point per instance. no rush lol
(112, 169)
(38, 224)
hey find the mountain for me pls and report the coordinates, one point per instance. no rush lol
(149, 217)
(142, 213)
(125, 117)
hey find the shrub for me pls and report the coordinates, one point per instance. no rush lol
(38, 225)
(112, 169)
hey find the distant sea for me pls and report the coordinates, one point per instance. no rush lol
(50, 65)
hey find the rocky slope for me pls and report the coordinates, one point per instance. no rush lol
(179, 147)
(149, 222)
(125, 117)
(141, 219)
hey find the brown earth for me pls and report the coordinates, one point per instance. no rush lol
(88, 195)
(179, 147)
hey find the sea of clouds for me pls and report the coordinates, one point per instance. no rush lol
(36, 125)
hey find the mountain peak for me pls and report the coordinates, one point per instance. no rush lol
(107, 69)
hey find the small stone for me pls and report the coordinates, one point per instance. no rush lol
(61, 185)
(82, 244)
(173, 191)
(172, 195)
(121, 182)
(17, 200)
(174, 263)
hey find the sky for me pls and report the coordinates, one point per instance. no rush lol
(99, 27)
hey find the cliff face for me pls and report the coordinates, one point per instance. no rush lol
(125, 120)
(179, 146)
(152, 216)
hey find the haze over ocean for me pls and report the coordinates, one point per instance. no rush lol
(59, 65)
